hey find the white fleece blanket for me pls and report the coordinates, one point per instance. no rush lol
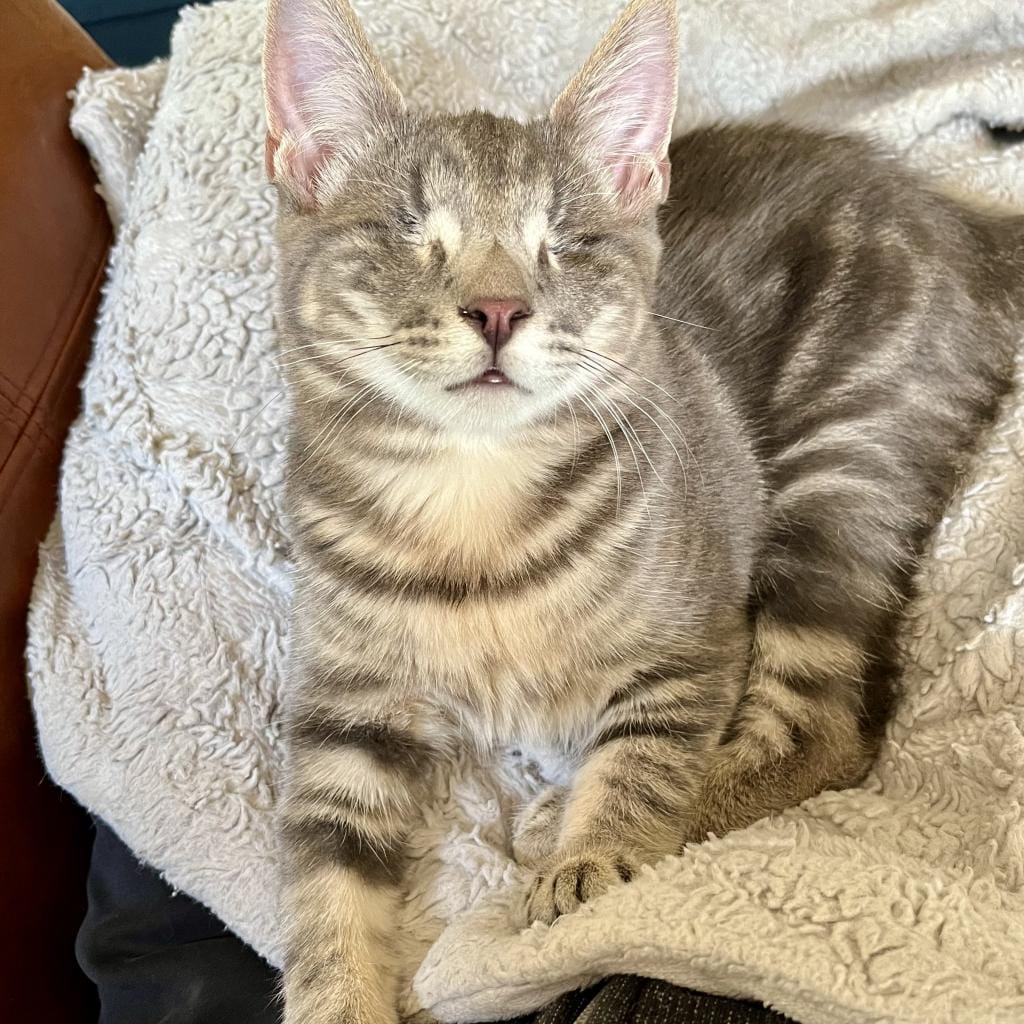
(158, 622)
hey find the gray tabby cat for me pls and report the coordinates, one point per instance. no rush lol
(534, 503)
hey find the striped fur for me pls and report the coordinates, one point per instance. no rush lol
(675, 555)
(865, 330)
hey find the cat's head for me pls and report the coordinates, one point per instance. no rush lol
(480, 272)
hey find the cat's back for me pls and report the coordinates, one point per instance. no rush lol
(821, 264)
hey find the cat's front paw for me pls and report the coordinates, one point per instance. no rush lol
(569, 881)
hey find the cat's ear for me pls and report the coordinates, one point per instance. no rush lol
(621, 103)
(326, 93)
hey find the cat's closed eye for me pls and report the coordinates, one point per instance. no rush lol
(574, 243)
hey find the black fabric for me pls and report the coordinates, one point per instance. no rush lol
(159, 957)
(626, 999)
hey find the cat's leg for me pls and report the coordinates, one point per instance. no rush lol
(351, 790)
(535, 827)
(626, 808)
(832, 581)
(632, 799)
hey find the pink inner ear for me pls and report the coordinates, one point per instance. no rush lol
(624, 99)
(299, 165)
(310, 78)
(636, 105)
(635, 178)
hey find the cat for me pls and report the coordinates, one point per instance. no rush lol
(618, 448)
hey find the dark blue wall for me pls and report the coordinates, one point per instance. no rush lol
(130, 31)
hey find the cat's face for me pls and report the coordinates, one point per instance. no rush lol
(470, 269)
(479, 272)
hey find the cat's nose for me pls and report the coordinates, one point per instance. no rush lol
(496, 318)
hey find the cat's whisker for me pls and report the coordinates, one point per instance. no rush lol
(252, 419)
(374, 348)
(615, 413)
(661, 430)
(651, 401)
(615, 453)
(375, 394)
(658, 427)
(298, 348)
(639, 440)
(304, 360)
(314, 447)
(396, 408)
(311, 360)
(575, 440)
(593, 353)
(340, 342)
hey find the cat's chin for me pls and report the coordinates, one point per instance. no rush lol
(489, 409)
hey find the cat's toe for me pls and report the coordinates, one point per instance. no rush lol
(574, 880)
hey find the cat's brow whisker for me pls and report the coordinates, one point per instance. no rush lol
(676, 320)
(373, 181)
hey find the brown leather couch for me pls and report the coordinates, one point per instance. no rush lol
(54, 236)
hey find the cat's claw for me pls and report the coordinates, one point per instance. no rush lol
(571, 880)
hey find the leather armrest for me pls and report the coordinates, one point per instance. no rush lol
(54, 236)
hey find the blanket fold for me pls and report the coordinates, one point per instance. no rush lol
(158, 624)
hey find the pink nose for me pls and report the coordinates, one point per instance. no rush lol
(496, 318)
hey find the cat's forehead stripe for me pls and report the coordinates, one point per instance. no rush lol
(535, 229)
(441, 225)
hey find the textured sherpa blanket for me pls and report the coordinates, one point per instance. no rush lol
(159, 618)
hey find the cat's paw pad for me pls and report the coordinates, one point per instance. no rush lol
(568, 882)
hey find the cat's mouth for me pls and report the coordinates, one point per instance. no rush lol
(492, 377)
